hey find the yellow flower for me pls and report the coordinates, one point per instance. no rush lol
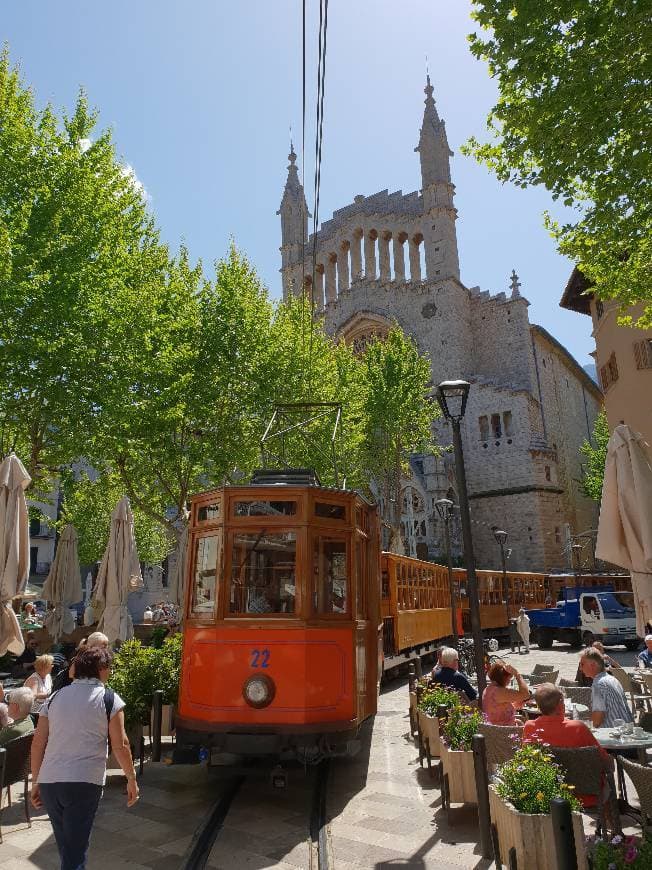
(540, 795)
(570, 787)
(524, 795)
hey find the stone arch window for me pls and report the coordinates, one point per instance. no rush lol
(496, 429)
(371, 255)
(357, 268)
(416, 256)
(484, 428)
(508, 423)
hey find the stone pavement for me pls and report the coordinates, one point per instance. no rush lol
(384, 810)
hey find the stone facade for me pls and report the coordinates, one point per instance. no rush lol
(392, 257)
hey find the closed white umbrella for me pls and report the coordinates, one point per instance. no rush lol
(63, 585)
(625, 527)
(119, 575)
(178, 577)
(14, 549)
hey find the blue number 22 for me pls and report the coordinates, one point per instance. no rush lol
(260, 658)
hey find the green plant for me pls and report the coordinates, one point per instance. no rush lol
(531, 779)
(159, 633)
(167, 667)
(459, 728)
(132, 677)
(437, 696)
(620, 853)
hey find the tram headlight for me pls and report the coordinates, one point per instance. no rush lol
(259, 691)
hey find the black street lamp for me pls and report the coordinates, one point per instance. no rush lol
(452, 396)
(501, 538)
(445, 509)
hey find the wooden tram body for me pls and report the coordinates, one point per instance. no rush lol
(281, 641)
(292, 614)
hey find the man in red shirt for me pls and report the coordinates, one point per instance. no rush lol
(554, 728)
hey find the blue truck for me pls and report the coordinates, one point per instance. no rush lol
(586, 614)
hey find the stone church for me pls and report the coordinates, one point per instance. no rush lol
(393, 257)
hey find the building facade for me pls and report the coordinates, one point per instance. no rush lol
(391, 257)
(623, 357)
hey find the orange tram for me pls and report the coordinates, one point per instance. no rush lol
(292, 614)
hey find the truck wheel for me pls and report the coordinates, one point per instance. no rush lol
(545, 638)
(576, 641)
(588, 637)
(632, 645)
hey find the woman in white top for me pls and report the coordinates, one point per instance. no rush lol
(69, 753)
(41, 681)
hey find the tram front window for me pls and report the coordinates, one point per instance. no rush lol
(207, 556)
(263, 572)
(331, 578)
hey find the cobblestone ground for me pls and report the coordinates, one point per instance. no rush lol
(385, 810)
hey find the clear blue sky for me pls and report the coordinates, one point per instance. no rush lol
(200, 95)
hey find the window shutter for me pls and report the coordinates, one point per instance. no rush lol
(639, 351)
(604, 377)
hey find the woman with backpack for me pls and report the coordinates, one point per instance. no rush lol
(69, 753)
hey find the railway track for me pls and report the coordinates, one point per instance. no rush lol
(319, 851)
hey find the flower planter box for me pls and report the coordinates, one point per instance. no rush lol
(531, 836)
(458, 766)
(429, 726)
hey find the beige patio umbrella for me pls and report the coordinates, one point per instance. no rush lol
(178, 575)
(14, 549)
(63, 585)
(625, 527)
(119, 575)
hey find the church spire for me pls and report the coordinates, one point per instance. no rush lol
(433, 145)
(294, 224)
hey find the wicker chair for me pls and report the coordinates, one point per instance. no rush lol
(641, 777)
(499, 740)
(632, 689)
(547, 677)
(543, 669)
(568, 683)
(580, 695)
(584, 769)
(14, 768)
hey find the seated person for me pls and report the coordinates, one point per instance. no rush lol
(19, 707)
(608, 699)
(449, 675)
(28, 615)
(4, 715)
(24, 663)
(499, 702)
(554, 728)
(67, 675)
(41, 681)
(645, 656)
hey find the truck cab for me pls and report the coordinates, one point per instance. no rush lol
(583, 615)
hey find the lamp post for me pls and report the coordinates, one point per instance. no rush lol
(444, 509)
(577, 554)
(501, 538)
(452, 397)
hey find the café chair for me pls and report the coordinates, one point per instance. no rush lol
(546, 677)
(14, 768)
(631, 687)
(641, 777)
(580, 695)
(584, 769)
(499, 741)
(569, 683)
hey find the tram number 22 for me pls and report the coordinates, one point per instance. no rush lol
(260, 658)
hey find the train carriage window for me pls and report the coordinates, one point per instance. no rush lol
(264, 508)
(330, 511)
(263, 572)
(207, 512)
(208, 553)
(331, 575)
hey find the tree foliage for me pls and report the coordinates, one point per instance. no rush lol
(573, 114)
(396, 419)
(595, 456)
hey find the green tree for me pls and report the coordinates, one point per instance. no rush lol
(88, 502)
(397, 418)
(573, 114)
(75, 238)
(595, 456)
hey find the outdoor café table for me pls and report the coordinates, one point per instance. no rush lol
(532, 711)
(628, 745)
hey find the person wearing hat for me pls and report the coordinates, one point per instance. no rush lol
(523, 628)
